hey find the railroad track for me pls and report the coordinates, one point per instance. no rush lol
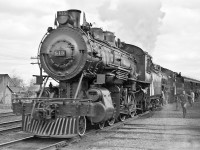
(34, 143)
(14, 141)
(10, 125)
(30, 142)
(48, 144)
(7, 114)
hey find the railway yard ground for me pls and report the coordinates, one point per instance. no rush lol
(164, 128)
(161, 129)
(5, 108)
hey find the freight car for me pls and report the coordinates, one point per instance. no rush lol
(188, 84)
(168, 84)
(174, 83)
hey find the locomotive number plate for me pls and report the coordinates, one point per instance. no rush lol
(59, 53)
(62, 13)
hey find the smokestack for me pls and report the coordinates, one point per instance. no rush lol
(75, 17)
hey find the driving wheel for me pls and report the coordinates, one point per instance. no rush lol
(111, 121)
(101, 125)
(122, 117)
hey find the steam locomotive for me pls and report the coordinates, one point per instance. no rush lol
(101, 80)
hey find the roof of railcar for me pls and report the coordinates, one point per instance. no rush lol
(191, 79)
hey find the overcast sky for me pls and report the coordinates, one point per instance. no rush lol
(169, 30)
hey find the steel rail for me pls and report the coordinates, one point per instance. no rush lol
(11, 128)
(15, 141)
(10, 122)
(7, 114)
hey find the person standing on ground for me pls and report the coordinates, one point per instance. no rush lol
(183, 100)
(162, 97)
(176, 100)
(192, 96)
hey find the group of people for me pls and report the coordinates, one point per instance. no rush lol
(184, 98)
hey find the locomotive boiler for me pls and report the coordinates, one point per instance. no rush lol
(99, 81)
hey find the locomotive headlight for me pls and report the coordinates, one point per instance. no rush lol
(60, 54)
(62, 17)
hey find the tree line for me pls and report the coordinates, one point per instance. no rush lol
(28, 89)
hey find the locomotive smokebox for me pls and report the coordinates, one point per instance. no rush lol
(63, 53)
(71, 17)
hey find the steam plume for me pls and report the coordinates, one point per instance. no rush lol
(134, 21)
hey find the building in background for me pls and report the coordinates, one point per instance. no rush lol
(7, 89)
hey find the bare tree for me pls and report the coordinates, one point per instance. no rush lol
(18, 81)
(32, 88)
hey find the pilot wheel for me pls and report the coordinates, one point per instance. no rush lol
(122, 117)
(81, 125)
